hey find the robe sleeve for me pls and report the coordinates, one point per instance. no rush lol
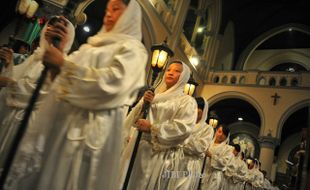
(222, 160)
(250, 176)
(200, 143)
(130, 120)
(173, 132)
(232, 167)
(243, 171)
(106, 87)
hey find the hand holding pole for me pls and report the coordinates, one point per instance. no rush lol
(160, 56)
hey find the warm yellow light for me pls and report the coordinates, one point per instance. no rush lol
(200, 29)
(189, 89)
(213, 122)
(154, 58)
(163, 56)
(159, 58)
(194, 61)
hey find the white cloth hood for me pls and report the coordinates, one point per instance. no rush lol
(204, 113)
(161, 92)
(36, 57)
(27, 73)
(129, 24)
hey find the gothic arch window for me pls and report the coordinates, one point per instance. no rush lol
(272, 81)
(294, 82)
(242, 80)
(224, 80)
(233, 80)
(169, 3)
(262, 81)
(216, 79)
(196, 25)
(283, 82)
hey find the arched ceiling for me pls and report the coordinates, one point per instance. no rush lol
(251, 18)
(229, 110)
(295, 123)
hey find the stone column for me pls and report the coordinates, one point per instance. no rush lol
(266, 156)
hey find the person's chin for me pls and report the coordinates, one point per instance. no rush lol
(108, 26)
(169, 82)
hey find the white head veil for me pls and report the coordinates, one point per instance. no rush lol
(225, 142)
(204, 113)
(162, 93)
(129, 23)
(28, 72)
(36, 57)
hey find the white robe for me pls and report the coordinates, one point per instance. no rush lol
(194, 153)
(267, 185)
(198, 143)
(231, 169)
(216, 166)
(235, 174)
(250, 178)
(161, 151)
(15, 98)
(80, 124)
(258, 179)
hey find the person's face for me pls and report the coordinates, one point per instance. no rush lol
(23, 50)
(199, 114)
(251, 165)
(172, 74)
(114, 10)
(235, 152)
(219, 135)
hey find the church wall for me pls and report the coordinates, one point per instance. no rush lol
(260, 98)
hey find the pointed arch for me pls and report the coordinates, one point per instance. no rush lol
(288, 113)
(246, 54)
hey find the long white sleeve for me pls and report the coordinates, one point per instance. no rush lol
(222, 158)
(175, 130)
(108, 82)
(199, 142)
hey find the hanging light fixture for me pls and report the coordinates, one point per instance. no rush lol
(160, 56)
(190, 87)
(213, 119)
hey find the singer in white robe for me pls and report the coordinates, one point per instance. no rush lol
(251, 175)
(15, 97)
(169, 124)
(81, 121)
(220, 154)
(240, 177)
(194, 149)
(235, 172)
(267, 185)
(258, 182)
(231, 168)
